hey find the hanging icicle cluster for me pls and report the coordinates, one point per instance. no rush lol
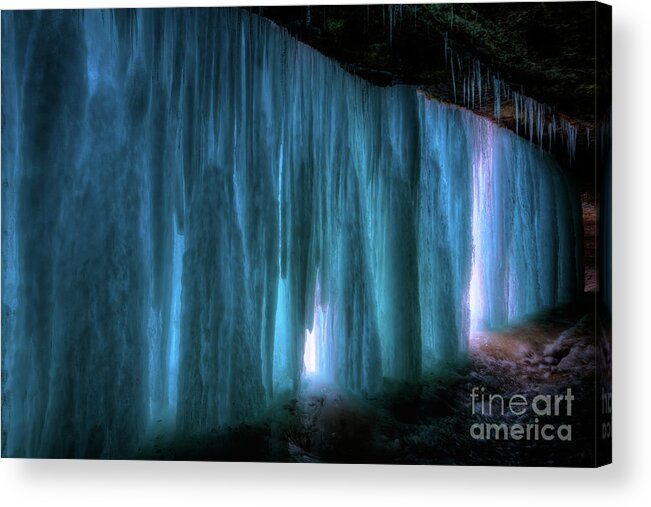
(533, 119)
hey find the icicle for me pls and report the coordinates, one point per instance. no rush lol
(531, 118)
(516, 100)
(497, 98)
(465, 100)
(587, 135)
(478, 73)
(540, 122)
(570, 137)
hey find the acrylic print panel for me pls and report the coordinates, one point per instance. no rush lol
(314, 234)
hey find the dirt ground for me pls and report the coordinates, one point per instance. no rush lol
(430, 422)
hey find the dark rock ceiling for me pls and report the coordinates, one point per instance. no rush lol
(546, 51)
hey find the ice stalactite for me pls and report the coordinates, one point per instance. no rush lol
(534, 117)
(570, 137)
(189, 194)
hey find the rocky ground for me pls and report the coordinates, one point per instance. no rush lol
(429, 422)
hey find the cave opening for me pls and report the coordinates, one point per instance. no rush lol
(316, 357)
(309, 356)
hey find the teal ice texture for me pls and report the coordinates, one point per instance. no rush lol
(187, 194)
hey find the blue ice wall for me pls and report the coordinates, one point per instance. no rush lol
(527, 231)
(187, 194)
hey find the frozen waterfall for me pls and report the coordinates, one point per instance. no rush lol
(188, 194)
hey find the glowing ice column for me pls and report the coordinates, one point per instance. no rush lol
(526, 230)
(444, 230)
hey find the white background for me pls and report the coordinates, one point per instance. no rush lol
(626, 482)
